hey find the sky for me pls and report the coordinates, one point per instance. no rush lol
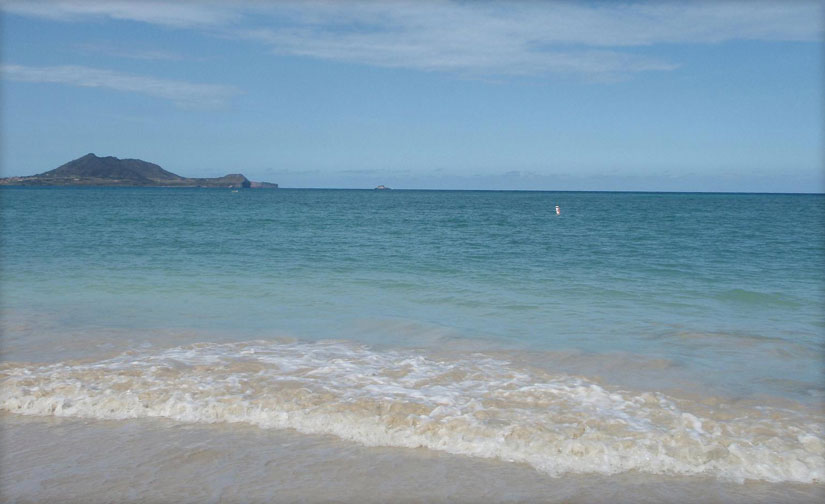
(648, 96)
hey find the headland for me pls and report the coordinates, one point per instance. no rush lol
(92, 170)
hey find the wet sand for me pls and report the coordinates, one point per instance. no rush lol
(90, 461)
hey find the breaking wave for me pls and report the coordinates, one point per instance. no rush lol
(475, 405)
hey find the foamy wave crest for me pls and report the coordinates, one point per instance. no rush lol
(476, 405)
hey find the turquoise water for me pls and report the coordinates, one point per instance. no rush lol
(709, 280)
(702, 297)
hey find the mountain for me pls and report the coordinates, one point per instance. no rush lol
(92, 170)
(109, 167)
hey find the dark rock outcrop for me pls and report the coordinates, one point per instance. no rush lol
(263, 185)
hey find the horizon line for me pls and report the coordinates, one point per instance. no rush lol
(629, 191)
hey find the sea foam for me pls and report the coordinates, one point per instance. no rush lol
(474, 405)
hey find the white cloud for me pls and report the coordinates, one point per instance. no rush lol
(482, 57)
(130, 53)
(185, 94)
(606, 24)
(523, 38)
(487, 38)
(178, 14)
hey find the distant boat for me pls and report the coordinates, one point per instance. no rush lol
(382, 188)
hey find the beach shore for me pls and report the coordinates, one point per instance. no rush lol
(74, 460)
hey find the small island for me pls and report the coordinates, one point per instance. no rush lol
(92, 170)
(382, 188)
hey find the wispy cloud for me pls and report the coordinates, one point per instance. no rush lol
(524, 38)
(131, 53)
(485, 56)
(177, 14)
(487, 38)
(184, 94)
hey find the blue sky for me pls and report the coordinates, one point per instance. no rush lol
(693, 96)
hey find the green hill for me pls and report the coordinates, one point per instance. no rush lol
(92, 170)
(109, 167)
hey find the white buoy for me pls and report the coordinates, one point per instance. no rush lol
(558, 210)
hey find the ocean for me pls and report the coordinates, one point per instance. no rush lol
(205, 345)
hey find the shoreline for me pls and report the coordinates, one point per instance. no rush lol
(172, 462)
(475, 403)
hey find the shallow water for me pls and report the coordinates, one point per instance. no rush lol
(640, 341)
(167, 461)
